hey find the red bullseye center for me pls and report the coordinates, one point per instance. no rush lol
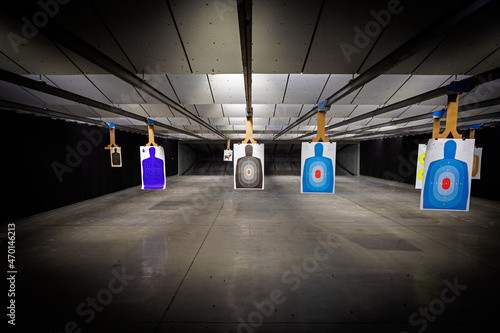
(317, 174)
(446, 183)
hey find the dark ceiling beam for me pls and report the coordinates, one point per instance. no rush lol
(18, 107)
(55, 32)
(438, 29)
(245, 27)
(464, 85)
(54, 91)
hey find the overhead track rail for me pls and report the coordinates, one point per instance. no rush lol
(437, 30)
(23, 108)
(427, 127)
(465, 85)
(468, 107)
(245, 27)
(54, 91)
(60, 35)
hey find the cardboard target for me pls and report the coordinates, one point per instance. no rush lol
(248, 169)
(318, 167)
(447, 174)
(153, 167)
(420, 166)
(476, 167)
(228, 155)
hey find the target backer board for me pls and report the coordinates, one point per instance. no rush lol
(476, 168)
(248, 166)
(153, 167)
(318, 167)
(420, 166)
(447, 175)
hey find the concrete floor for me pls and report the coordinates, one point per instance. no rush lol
(202, 257)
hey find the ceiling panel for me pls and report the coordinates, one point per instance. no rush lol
(157, 110)
(268, 88)
(304, 88)
(14, 93)
(465, 47)
(362, 109)
(288, 110)
(86, 111)
(209, 110)
(279, 121)
(210, 35)
(380, 90)
(136, 109)
(418, 84)
(228, 88)
(77, 84)
(35, 54)
(192, 88)
(336, 48)
(416, 110)
(234, 110)
(335, 82)
(96, 28)
(146, 34)
(161, 83)
(281, 34)
(116, 90)
(6, 63)
(263, 110)
(399, 25)
(340, 111)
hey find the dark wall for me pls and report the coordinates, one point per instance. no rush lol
(396, 159)
(52, 163)
(205, 158)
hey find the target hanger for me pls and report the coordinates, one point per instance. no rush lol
(151, 133)
(472, 132)
(249, 126)
(451, 119)
(320, 128)
(112, 143)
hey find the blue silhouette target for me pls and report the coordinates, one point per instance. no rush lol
(318, 172)
(153, 167)
(447, 180)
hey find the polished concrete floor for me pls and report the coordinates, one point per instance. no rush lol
(202, 257)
